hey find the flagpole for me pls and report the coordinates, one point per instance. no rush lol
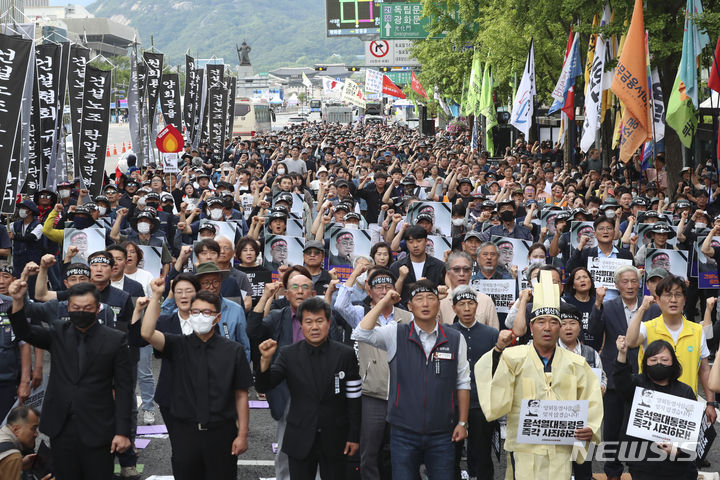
(652, 100)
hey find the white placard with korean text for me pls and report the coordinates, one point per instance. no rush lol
(502, 292)
(603, 270)
(551, 422)
(660, 417)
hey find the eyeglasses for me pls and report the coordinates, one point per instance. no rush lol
(207, 311)
(313, 252)
(672, 295)
(461, 269)
(295, 287)
(226, 249)
(210, 283)
(604, 229)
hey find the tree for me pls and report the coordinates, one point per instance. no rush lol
(502, 29)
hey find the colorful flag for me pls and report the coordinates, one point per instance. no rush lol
(487, 108)
(523, 104)
(630, 85)
(571, 69)
(590, 53)
(681, 114)
(373, 81)
(714, 80)
(463, 99)
(389, 88)
(417, 86)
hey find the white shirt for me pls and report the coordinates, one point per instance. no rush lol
(630, 313)
(418, 268)
(385, 338)
(144, 278)
(185, 325)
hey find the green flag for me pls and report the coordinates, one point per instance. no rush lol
(474, 85)
(681, 115)
(486, 108)
(463, 98)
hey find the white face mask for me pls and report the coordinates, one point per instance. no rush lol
(536, 260)
(23, 213)
(609, 213)
(458, 222)
(216, 214)
(102, 210)
(361, 279)
(143, 227)
(281, 171)
(351, 226)
(700, 226)
(64, 193)
(201, 324)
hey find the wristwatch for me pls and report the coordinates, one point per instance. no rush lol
(465, 425)
(713, 404)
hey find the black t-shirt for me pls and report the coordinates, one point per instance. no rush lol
(214, 370)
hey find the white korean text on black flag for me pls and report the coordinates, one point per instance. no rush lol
(57, 156)
(95, 122)
(190, 95)
(230, 84)
(199, 106)
(217, 109)
(170, 100)
(154, 62)
(34, 163)
(79, 57)
(134, 108)
(47, 59)
(14, 62)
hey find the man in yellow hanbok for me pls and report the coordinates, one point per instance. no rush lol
(508, 376)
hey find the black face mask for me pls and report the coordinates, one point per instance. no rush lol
(659, 371)
(507, 216)
(82, 222)
(82, 319)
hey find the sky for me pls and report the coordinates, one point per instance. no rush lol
(84, 3)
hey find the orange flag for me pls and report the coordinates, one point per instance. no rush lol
(630, 85)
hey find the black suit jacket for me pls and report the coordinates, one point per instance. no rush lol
(100, 395)
(324, 404)
(133, 288)
(608, 322)
(433, 270)
(578, 258)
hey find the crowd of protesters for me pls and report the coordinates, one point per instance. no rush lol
(404, 358)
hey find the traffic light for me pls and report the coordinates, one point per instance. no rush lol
(353, 69)
(320, 68)
(385, 69)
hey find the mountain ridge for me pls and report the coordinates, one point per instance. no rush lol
(280, 32)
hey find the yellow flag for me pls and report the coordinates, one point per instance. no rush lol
(630, 84)
(590, 52)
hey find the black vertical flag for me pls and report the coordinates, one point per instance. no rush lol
(144, 147)
(154, 62)
(47, 59)
(230, 84)
(33, 178)
(95, 123)
(57, 159)
(190, 96)
(79, 57)
(199, 105)
(170, 100)
(14, 63)
(134, 109)
(217, 114)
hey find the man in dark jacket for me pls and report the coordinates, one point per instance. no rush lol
(419, 264)
(89, 397)
(325, 387)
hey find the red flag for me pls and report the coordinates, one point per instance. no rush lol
(389, 88)
(417, 86)
(118, 174)
(714, 81)
(169, 140)
(569, 106)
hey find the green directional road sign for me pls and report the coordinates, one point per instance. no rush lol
(402, 20)
(400, 77)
